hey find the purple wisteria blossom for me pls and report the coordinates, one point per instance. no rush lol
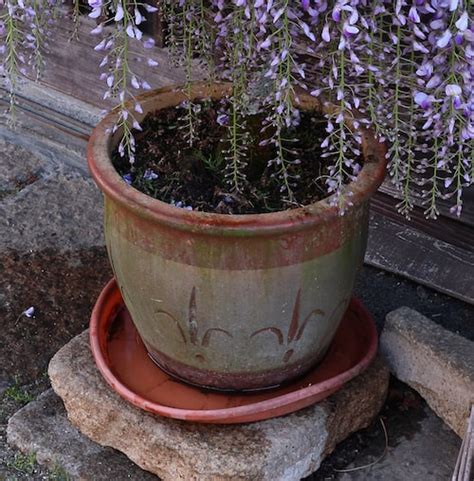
(128, 178)
(402, 68)
(24, 36)
(150, 175)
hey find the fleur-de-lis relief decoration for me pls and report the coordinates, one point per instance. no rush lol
(192, 326)
(295, 330)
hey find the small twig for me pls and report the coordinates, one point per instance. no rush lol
(365, 466)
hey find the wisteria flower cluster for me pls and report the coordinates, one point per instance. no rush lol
(403, 68)
(24, 34)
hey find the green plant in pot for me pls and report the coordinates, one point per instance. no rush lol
(236, 208)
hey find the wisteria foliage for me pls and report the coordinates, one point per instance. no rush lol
(403, 68)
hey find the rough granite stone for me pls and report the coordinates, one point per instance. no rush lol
(59, 210)
(42, 428)
(282, 449)
(19, 168)
(45, 205)
(435, 362)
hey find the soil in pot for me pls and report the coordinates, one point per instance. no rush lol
(195, 177)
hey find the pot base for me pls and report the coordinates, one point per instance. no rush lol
(231, 383)
(126, 366)
(158, 360)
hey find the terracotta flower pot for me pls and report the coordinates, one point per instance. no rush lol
(232, 301)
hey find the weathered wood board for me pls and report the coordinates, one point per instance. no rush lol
(452, 230)
(467, 217)
(54, 126)
(408, 252)
(73, 64)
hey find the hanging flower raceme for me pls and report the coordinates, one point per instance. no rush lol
(400, 67)
(25, 27)
(118, 27)
(445, 97)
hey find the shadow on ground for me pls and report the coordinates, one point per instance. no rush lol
(420, 446)
(383, 292)
(63, 288)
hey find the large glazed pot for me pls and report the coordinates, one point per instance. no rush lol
(232, 302)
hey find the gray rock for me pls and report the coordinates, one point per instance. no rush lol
(42, 427)
(285, 449)
(44, 205)
(435, 362)
(60, 210)
(19, 169)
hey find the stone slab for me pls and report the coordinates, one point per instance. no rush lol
(19, 168)
(421, 446)
(435, 362)
(281, 449)
(51, 209)
(42, 428)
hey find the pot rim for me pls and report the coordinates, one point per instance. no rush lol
(113, 186)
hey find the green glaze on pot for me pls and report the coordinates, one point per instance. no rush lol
(233, 302)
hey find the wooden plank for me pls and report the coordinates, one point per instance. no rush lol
(51, 137)
(464, 470)
(154, 26)
(405, 251)
(55, 103)
(72, 64)
(467, 216)
(452, 231)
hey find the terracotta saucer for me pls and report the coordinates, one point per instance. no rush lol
(123, 361)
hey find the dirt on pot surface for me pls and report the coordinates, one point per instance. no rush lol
(199, 177)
